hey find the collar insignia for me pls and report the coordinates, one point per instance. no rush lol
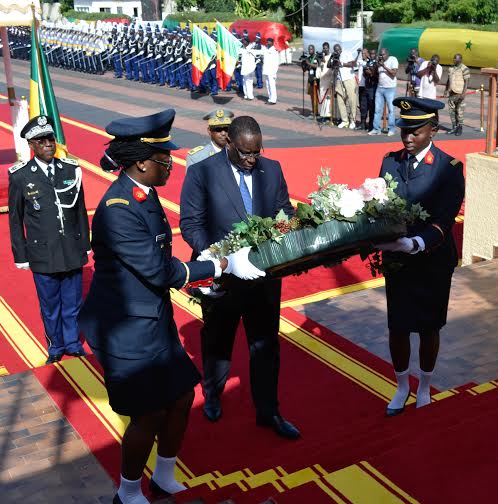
(429, 158)
(34, 168)
(30, 185)
(139, 194)
(59, 165)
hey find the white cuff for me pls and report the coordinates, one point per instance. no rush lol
(421, 245)
(22, 265)
(217, 268)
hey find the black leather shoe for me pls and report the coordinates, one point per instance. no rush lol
(212, 409)
(117, 500)
(79, 353)
(54, 358)
(281, 426)
(458, 131)
(156, 490)
(452, 130)
(390, 412)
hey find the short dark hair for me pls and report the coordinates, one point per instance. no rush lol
(243, 125)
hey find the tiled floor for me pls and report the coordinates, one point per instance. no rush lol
(469, 342)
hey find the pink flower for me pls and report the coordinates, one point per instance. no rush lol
(374, 189)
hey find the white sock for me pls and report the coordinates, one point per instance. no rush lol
(130, 492)
(403, 390)
(424, 389)
(164, 475)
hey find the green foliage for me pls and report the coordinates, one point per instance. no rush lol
(185, 5)
(395, 12)
(219, 5)
(473, 11)
(435, 23)
(202, 17)
(66, 6)
(94, 16)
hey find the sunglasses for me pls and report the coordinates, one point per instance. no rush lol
(247, 155)
(167, 164)
(219, 129)
(42, 140)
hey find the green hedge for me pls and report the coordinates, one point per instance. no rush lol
(201, 17)
(94, 16)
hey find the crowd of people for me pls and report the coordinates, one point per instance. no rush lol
(338, 81)
(152, 55)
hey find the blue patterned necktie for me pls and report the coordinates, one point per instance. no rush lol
(244, 192)
(51, 174)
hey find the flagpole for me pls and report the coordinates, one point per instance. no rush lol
(4, 37)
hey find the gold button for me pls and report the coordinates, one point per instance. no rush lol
(162, 245)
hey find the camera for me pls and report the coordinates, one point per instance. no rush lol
(380, 59)
(334, 61)
(370, 63)
(411, 60)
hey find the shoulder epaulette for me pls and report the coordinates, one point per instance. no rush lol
(17, 166)
(455, 162)
(195, 149)
(114, 201)
(70, 161)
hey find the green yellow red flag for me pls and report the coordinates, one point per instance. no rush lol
(203, 51)
(227, 54)
(41, 92)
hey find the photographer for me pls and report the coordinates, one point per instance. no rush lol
(324, 73)
(309, 63)
(430, 73)
(386, 91)
(342, 65)
(412, 68)
(368, 77)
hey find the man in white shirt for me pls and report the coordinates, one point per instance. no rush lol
(270, 68)
(248, 65)
(430, 73)
(345, 85)
(386, 91)
(324, 74)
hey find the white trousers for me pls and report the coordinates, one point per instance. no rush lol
(271, 87)
(248, 84)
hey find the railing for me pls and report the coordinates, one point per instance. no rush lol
(492, 127)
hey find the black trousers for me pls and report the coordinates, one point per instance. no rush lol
(259, 308)
(367, 105)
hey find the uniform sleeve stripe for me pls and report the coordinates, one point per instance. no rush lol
(187, 275)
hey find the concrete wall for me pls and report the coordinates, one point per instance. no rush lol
(480, 237)
(126, 6)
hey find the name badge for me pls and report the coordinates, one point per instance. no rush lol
(160, 238)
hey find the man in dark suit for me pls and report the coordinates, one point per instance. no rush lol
(50, 235)
(218, 192)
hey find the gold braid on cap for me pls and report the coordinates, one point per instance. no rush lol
(156, 140)
(425, 116)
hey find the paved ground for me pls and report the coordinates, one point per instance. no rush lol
(98, 99)
(468, 342)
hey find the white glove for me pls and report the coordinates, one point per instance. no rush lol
(212, 291)
(240, 266)
(401, 245)
(206, 255)
(23, 266)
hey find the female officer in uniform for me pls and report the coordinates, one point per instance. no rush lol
(127, 317)
(418, 293)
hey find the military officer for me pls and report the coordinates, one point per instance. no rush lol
(218, 122)
(49, 234)
(128, 316)
(418, 289)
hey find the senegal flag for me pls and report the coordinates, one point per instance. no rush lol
(41, 93)
(203, 51)
(227, 54)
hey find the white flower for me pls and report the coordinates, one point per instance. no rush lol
(374, 189)
(350, 202)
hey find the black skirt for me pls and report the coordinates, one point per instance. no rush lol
(139, 386)
(417, 297)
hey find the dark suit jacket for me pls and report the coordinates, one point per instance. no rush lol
(36, 233)
(211, 201)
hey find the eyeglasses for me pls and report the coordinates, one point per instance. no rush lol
(219, 129)
(167, 164)
(247, 155)
(43, 140)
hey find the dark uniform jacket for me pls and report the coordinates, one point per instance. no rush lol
(51, 238)
(438, 185)
(128, 311)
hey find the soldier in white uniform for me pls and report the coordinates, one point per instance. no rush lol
(218, 122)
(270, 68)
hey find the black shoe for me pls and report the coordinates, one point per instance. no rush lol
(117, 500)
(452, 130)
(79, 353)
(281, 426)
(362, 126)
(54, 358)
(458, 131)
(212, 409)
(156, 490)
(390, 412)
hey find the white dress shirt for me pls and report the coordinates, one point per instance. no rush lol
(44, 166)
(271, 61)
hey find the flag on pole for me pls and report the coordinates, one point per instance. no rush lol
(203, 51)
(41, 93)
(227, 54)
